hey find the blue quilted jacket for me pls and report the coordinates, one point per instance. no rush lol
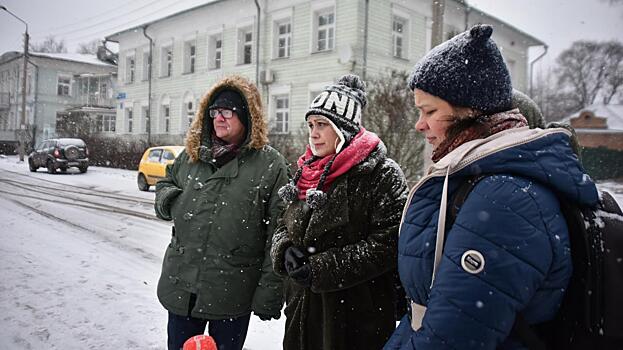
(512, 218)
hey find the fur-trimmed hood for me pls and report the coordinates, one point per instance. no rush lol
(257, 133)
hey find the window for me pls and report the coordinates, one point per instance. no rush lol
(283, 34)
(166, 116)
(324, 23)
(167, 155)
(154, 155)
(282, 112)
(215, 49)
(166, 59)
(128, 113)
(146, 65)
(130, 68)
(398, 37)
(245, 49)
(190, 54)
(190, 111)
(105, 123)
(146, 118)
(64, 84)
(104, 90)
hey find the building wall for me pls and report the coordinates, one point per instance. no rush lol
(596, 138)
(298, 76)
(43, 101)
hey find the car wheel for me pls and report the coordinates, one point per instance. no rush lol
(63, 170)
(51, 167)
(83, 169)
(141, 181)
(31, 165)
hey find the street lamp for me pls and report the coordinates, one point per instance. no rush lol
(22, 126)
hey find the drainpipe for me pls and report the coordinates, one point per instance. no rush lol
(34, 106)
(532, 67)
(468, 9)
(257, 45)
(365, 40)
(151, 44)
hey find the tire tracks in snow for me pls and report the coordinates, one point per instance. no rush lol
(77, 202)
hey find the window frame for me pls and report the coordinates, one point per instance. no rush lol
(278, 36)
(190, 56)
(215, 53)
(243, 44)
(166, 61)
(328, 28)
(60, 84)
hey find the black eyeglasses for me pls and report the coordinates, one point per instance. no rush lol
(226, 113)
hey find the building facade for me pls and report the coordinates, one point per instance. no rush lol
(303, 45)
(57, 84)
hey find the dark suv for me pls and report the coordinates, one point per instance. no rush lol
(60, 154)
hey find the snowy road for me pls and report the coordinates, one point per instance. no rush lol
(80, 257)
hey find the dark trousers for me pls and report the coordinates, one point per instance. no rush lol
(229, 334)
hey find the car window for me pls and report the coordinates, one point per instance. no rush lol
(154, 155)
(39, 146)
(74, 142)
(168, 155)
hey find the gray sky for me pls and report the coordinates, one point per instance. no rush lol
(556, 22)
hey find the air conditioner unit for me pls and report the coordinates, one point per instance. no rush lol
(267, 76)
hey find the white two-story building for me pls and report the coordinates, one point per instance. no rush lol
(301, 45)
(57, 84)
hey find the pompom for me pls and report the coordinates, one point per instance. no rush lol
(352, 81)
(288, 192)
(481, 32)
(316, 198)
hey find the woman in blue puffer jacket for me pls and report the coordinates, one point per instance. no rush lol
(508, 249)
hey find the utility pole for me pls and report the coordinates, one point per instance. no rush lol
(21, 134)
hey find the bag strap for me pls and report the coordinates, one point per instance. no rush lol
(521, 329)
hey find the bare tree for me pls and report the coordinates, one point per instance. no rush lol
(588, 69)
(89, 48)
(49, 45)
(392, 115)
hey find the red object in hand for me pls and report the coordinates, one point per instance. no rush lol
(200, 342)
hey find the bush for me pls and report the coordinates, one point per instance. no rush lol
(115, 152)
(602, 163)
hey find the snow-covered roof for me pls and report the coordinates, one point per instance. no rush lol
(74, 57)
(612, 112)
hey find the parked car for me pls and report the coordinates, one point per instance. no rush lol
(153, 165)
(60, 154)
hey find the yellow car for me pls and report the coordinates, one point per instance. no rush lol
(153, 165)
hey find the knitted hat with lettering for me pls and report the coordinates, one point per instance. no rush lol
(466, 71)
(342, 104)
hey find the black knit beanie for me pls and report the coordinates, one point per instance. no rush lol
(466, 71)
(342, 104)
(231, 99)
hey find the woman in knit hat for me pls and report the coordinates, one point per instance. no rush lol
(507, 251)
(336, 242)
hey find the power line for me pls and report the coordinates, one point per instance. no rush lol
(127, 24)
(96, 24)
(113, 11)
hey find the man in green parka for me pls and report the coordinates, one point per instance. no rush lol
(221, 194)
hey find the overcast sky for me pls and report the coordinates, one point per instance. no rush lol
(556, 22)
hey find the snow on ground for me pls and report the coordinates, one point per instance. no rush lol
(85, 278)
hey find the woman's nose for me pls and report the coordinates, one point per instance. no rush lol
(420, 125)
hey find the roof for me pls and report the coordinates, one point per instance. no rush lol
(110, 37)
(71, 57)
(535, 41)
(612, 112)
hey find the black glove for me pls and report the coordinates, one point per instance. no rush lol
(267, 317)
(294, 258)
(302, 276)
(297, 266)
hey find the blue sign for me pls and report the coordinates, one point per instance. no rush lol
(121, 96)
